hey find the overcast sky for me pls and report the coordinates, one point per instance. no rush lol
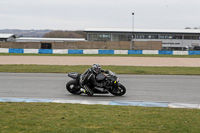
(81, 14)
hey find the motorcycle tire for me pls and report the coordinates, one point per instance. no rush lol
(120, 90)
(73, 87)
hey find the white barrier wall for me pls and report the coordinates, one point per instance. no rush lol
(60, 51)
(91, 51)
(4, 50)
(121, 52)
(150, 51)
(31, 51)
(180, 52)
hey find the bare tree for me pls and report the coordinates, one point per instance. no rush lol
(192, 28)
(188, 28)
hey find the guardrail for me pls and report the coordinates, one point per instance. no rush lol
(96, 51)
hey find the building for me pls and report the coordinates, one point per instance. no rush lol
(7, 37)
(46, 43)
(172, 39)
(34, 39)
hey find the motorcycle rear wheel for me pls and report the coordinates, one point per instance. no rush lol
(120, 90)
(73, 87)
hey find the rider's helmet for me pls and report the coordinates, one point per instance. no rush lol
(96, 68)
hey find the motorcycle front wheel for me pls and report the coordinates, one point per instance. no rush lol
(118, 90)
(73, 87)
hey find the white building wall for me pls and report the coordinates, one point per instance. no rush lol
(174, 42)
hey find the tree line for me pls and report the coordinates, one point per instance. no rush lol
(192, 28)
(65, 34)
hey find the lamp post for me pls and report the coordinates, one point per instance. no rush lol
(132, 37)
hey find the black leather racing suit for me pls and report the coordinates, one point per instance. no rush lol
(90, 77)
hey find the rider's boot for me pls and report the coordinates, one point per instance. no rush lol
(88, 90)
(82, 90)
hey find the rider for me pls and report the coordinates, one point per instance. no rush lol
(89, 76)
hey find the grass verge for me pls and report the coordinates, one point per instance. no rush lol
(116, 69)
(115, 55)
(76, 118)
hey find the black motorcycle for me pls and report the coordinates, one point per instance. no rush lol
(110, 80)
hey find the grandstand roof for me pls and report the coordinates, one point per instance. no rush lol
(6, 35)
(31, 39)
(129, 30)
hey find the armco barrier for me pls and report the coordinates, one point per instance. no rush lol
(96, 51)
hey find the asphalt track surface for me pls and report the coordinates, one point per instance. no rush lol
(154, 88)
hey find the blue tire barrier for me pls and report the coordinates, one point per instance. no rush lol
(161, 52)
(16, 50)
(194, 52)
(45, 51)
(75, 51)
(106, 51)
(135, 51)
(97, 51)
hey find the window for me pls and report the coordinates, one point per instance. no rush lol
(100, 37)
(167, 36)
(178, 37)
(192, 37)
(124, 37)
(139, 36)
(154, 36)
(3, 40)
(46, 46)
(147, 36)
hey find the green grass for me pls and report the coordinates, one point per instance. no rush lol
(76, 118)
(119, 55)
(116, 69)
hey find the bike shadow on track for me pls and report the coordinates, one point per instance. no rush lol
(106, 96)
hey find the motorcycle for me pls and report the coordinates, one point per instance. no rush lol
(110, 80)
